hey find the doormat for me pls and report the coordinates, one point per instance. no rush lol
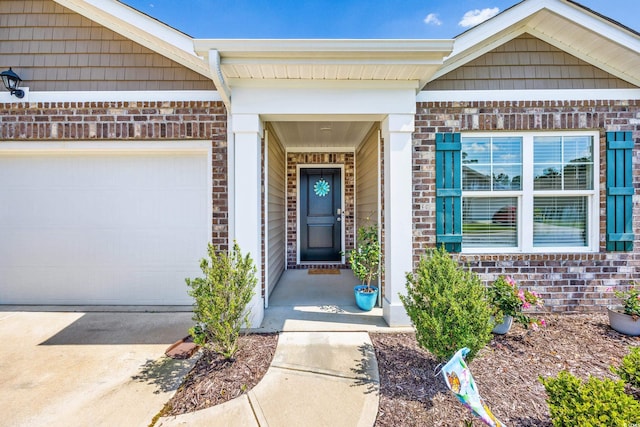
(323, 271)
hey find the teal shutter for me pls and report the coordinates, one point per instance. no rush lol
(448, 192)
(619, 191)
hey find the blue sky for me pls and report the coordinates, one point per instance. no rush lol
(424, 19)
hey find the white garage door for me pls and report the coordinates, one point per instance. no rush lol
(102, 226)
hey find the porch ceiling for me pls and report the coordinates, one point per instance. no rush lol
(323, 135)
(405, 60)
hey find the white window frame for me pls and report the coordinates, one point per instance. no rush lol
(526, 195)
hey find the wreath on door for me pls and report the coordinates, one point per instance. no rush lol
(321, 188)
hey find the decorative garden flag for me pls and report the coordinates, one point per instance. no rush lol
(458, 378)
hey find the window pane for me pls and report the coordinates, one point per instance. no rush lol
(563, 163)
(578, 149)
(492, 164)
(547, 149)
(507, 150)
(476, 177)
(507, 177)
(547, 160)
(578, 163)
(578, 176)
(560, 221)
(476, 150)
(547, 177)
(489, 222)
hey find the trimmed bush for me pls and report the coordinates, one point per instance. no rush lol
(593, 403)
(448, 306)
(629, 371)
(221, 299)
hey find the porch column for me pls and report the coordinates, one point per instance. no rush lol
(397, 131)
(246, 213)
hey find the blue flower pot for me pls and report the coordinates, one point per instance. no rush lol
(365, 300)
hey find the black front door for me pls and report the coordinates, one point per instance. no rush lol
(320, 214)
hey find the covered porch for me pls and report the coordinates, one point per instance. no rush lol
(339, 113)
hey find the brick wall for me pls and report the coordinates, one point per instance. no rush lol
(567, 281)
(129, 121)
(294, 159)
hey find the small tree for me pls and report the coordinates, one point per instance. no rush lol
(221, 299)
(447, 306)
(365, 257)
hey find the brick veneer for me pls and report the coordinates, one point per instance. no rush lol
(129, 121)
(567, 281)
(294, 159)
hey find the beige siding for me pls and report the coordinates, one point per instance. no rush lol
(54, 49)
(527, 63)
(367, 180)
(276, 245)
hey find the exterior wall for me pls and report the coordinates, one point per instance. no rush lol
(367, 180)
(567, 281)
(527, 63)
(130, 121)
(276, 223)
(55, 49)
(294, 159)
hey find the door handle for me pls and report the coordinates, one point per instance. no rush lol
(340, 214)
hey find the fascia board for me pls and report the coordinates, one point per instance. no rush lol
(142, 29)
(326, 48)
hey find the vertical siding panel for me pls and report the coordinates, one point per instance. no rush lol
(276, 245)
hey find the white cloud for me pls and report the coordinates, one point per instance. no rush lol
(432, 19)
(477, 16)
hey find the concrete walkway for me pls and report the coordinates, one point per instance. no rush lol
(315, 379)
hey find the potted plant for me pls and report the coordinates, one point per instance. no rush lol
(364, 260)
(626, 318)
(509, 302)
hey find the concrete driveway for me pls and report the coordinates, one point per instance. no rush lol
(87, 368)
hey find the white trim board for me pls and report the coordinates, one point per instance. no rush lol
(106, 146)
(527, 95)
(113, 96)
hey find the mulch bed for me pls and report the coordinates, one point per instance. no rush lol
(213, 380)
(506, 372)
(411, 394)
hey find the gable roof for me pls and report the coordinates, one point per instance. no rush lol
(141, 29)
(564, 24)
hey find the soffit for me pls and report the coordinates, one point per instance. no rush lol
(321, 134)
(384, 60)
(563, 24)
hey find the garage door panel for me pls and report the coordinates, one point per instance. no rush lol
(102, 228)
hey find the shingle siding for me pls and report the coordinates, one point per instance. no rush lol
(54, 49)
(527, 63)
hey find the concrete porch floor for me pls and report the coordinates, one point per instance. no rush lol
(318, 302)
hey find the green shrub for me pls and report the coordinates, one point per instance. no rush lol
(629, 371)
(447, 306)
(593, 403)
(221, 298)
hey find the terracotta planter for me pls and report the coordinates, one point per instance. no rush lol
(503, 327)
(623, 323)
